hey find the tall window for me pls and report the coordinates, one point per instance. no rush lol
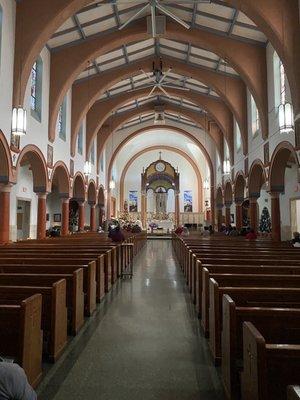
(255, 125)
(62, 120)
(93, 153)
(238, 138)
(80, 141)
(1, 19)
(36, 89)
(101, 164)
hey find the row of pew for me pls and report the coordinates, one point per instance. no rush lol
(48, 288)
(247, 296)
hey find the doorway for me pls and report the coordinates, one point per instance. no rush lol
(295, 215)
(23, 219)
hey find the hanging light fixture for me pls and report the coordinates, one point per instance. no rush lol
(206, 184)
(226, 167)
(112, 184)
(19, 114)
(19, 121)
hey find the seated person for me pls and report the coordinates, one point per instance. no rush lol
(206, 231)
(179, 230)
(14, 384)
(251, 235)
(185, 231)
(211, 230)
(115, 234)
(233, 232)
(296, 238)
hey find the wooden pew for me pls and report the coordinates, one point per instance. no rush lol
(268, 367)
(21, 337)
(54, 313)
(247, 297)
(293, 393)
(57, 266)
(74, 291)
(242, 280)
(276, 325)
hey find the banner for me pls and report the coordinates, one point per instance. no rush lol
(188, 201)
(133, 201)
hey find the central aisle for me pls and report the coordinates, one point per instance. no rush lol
(144, 344)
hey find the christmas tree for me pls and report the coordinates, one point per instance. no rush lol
(265, 221)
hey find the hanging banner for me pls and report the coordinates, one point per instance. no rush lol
(133, 201)
(188, 201)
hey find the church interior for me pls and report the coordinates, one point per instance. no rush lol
(150, 199)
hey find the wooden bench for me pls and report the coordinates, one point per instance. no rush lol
(74, 291)
(268, 368)
(277, 325)
(57, 266)
(247, 297)
(54, 313)
(21, 337)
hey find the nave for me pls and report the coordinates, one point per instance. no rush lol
(144, 342)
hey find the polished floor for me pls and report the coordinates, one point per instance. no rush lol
(143, 344)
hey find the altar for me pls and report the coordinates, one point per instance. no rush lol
(163, 224)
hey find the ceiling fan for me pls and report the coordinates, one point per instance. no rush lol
(154, 5)
(158, 81)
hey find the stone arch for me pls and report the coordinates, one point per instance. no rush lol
(5, 161)
(257, 178)
(239, 187)
(228, 193)
(282, 154)
(60, 179)
(31, 155)
(79, 187)
(92, 192)
(182, 132)
(163, 147)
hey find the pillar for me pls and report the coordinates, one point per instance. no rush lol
(93, 217)
(253, 213)
(108, 205)
(41, 216)
(101, 215)
(65, 216)
(81, 215)
(239, 215)
(144, 210)
(177, 209)
(4, 213)
(227, 214)
(275, 217)
(219, 217)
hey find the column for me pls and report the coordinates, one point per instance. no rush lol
(253, 213)
(93, 217)
(81, 215)
(239, 215)
(41, 216)
(101, 215)
(143, 209)
(227, 214)
(275, 217)
(177, 209)
(65, 217)
(4, 213)
(219, 217)
(108, 205)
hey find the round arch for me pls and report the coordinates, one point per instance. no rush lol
(92, 192)
(34, 157)
(239, 187)
(79, 187)
(163, 147)
(60, 178)
(257, 178)
(5, 161)
(282, 154)
(101, 196)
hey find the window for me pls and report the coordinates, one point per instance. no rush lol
(277, 83)
(80, 141)
(101, 164)
(255, 125)
(36, 89)
(238, 138)
(62, 120)
(92, 156)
